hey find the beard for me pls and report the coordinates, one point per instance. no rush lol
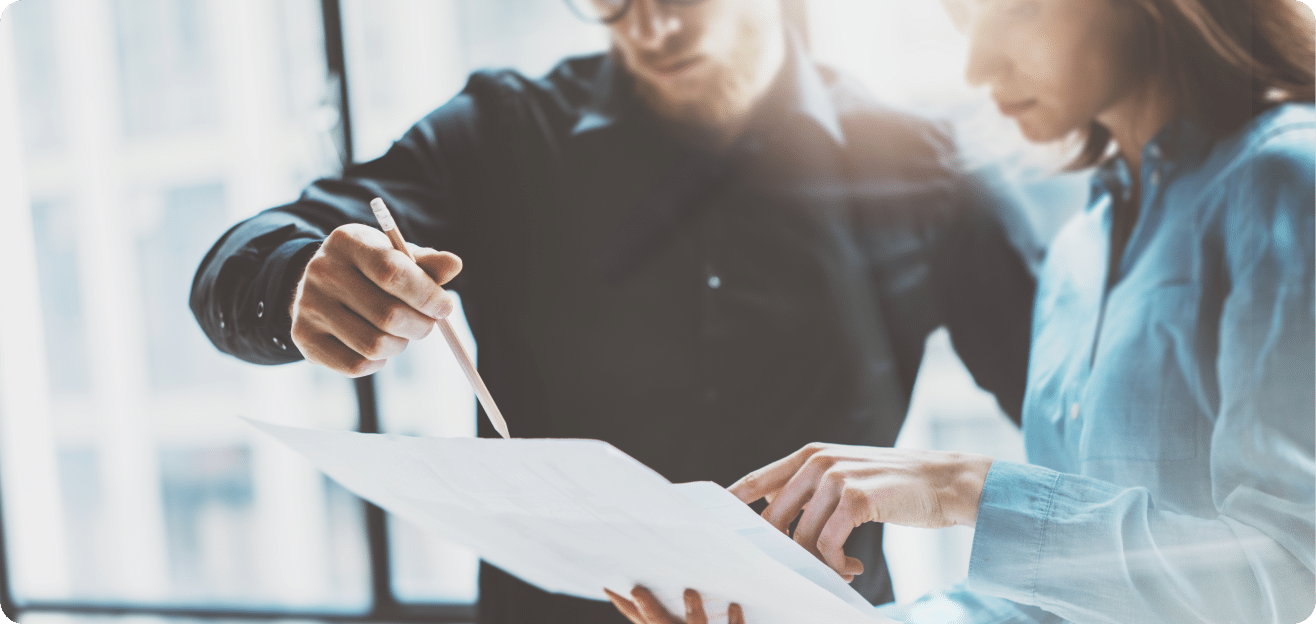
(715, 99)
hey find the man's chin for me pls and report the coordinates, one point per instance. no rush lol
(670, 100)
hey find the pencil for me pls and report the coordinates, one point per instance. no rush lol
(390, 228)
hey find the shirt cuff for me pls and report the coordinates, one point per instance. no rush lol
(279, 277)
(1008, 538)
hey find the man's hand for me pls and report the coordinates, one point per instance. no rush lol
(647, 610)
(835, 488)
(360, 302)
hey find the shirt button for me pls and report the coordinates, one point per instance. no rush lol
(1073, 411)
(280, 344)
(221, 320)
(260, 309)
(1154, 150)
(714, 282)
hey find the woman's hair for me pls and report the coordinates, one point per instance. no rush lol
(1226, 61)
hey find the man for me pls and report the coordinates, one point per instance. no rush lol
(701, 247)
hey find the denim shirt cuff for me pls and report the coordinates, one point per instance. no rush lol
(1008, 538)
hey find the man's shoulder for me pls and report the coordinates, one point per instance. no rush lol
(569, 85)
(878, 129)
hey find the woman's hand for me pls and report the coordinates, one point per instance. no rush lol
(838, 488)
(647, 610)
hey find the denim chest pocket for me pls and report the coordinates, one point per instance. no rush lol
(1140, 401)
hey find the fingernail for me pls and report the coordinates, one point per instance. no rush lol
(444, 308)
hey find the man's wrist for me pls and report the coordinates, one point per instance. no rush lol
(297, 267)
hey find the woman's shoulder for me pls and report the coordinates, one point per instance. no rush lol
(1270, 180)
(1280, 140)
(1283, 120)
(1273, 155)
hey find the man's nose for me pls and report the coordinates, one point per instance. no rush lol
(651, 23)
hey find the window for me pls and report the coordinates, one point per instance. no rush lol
(134, 132)
(144, 131)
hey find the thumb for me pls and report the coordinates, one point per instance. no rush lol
(441, 266)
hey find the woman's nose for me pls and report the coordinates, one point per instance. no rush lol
(987, 59)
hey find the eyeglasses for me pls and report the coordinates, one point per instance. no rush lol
(611, 11)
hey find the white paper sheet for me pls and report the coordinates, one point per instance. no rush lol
(575, 516)
(728, 511)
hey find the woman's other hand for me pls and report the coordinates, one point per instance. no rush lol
(645, 609)
(834, 488)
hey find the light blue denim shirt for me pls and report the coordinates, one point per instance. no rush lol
(1170, 418)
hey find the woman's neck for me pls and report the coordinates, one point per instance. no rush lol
(1136, 119)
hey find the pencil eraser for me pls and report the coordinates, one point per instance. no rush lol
(382, 214)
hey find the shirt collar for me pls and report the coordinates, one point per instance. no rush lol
(798, 89)
(611, 97)
(1179, 141)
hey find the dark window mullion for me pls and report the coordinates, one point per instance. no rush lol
(381, 574)
(6, 596)
(336, 62)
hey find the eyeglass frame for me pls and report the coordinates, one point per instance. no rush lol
(625, 7)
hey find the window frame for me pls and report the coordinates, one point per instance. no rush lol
(384, 603)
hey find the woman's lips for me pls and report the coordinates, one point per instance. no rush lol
(1014, 109)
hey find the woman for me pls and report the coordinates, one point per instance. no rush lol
(1169, 419)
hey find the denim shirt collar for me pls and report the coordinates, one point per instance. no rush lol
(1180, 141)
(798, 89)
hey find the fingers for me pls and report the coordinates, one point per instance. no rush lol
(370, 251)
(694, 608)
(817, 512)
(850, 512)
(735, 615)
(360, 301)
(767, 480)
(363, 337)
(322, 323)
(330, 352)
(795, 494)
(384, 311)
(441, 266)
(646, 609)
(626, 607)
(651, 610)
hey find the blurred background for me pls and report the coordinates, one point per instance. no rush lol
(134, 132)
